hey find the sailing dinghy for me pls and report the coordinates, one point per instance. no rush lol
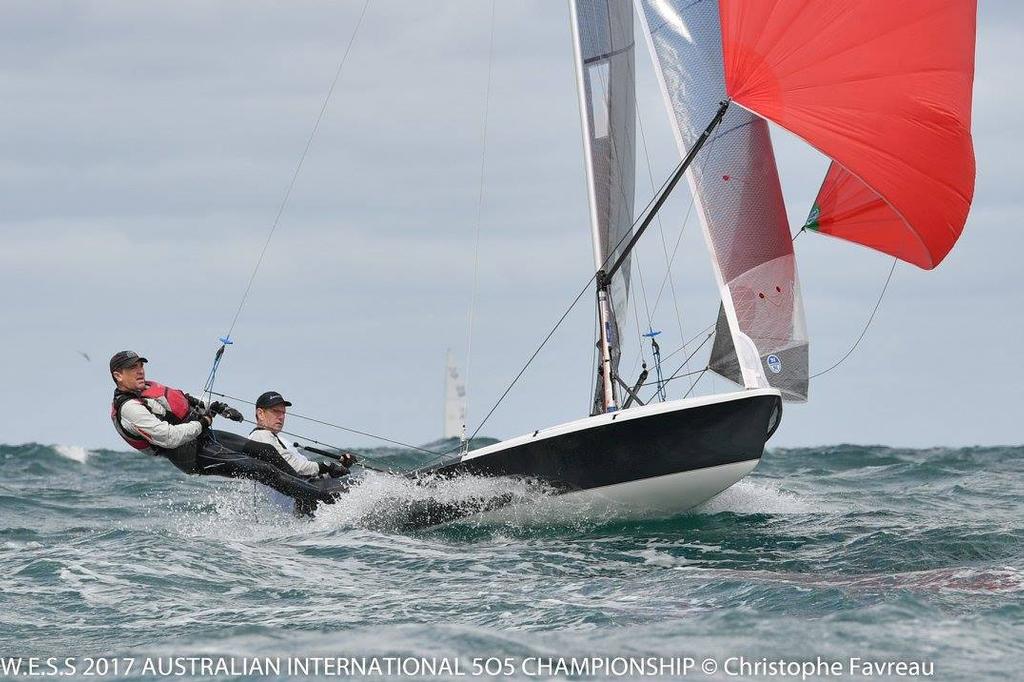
(883, 90)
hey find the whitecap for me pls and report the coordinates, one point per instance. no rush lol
(755, 497)
(74, 452)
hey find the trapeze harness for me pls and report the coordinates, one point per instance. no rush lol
(176, 402)
(217, 453)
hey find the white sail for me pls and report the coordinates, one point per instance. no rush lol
(454, 399)
(604, 54)
(761, 339)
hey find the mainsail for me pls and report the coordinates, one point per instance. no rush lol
(881, 88)
(603, 41)
(761, 338)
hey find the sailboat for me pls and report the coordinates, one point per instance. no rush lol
(454, 399)
(882, 89)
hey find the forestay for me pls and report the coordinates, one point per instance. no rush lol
(761, 338)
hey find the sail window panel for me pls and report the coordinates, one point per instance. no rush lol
(597, 81)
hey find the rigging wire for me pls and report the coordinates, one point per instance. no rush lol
(479, 215)
(719, 132)
(661, 227)
(336, 426)
(568, 310)
(628, 235)
(361, 461)
(693, 338)
(702, 372)
(590, 280)
(874, 311)
(639, 331)
(675, 250)
(226, 339)
(536, 352)
(868, 324)
(676, 374)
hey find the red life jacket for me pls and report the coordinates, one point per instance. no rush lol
(174, 401)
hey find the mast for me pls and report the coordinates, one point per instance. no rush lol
(603, 56)
(608, 397)
(604, 277)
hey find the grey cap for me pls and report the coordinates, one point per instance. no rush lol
(125, 358)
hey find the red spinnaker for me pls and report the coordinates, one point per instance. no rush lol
(881, 88)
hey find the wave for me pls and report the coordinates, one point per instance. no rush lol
(73, 452)
(757, 497)
(838, 456)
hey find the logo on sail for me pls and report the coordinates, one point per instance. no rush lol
(774, 363)
(812, 219)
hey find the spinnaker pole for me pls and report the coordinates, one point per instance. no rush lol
(666, 190)
(604, 277)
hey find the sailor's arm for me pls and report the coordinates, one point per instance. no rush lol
(135, 417)
(302, 466)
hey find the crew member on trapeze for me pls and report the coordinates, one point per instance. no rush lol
(271, 410)
(164, 421)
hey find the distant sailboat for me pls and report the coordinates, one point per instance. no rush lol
(454, 399)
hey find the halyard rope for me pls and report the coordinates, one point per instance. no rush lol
(226, 339)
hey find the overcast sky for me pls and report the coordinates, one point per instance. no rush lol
(147, 146)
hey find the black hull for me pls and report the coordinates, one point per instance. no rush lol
(623, 448)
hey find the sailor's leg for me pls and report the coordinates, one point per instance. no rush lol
(183, 456)
(216, 460)
(261, 451)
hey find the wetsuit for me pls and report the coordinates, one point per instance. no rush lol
(302, 465)
(149, 426)
(221, 453)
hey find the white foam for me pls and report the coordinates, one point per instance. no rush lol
(232, 511)
(74, 452)
(755, 497)
(383, 501)
(376, 502)
(654, 557)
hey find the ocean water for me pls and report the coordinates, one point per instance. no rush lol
(849, 551)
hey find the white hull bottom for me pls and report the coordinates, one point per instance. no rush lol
(656, 497)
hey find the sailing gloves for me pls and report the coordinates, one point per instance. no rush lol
(348, 459)
(232, 414)
(333, 469)
(226, 411)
